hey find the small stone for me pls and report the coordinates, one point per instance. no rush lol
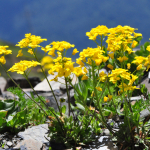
(3, 83)
(4, 141)
(5, 146)
(106, 132)
(9, 143)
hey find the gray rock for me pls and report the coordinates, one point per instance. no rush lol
(36, 133)
(106, 132)
(9, 143)
(145, 113)
(29, 144)
(3, 83)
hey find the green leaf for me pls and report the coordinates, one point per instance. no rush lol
(80, 106)
(9, 104)
(3, 113)
(63, 109)
(82, 90)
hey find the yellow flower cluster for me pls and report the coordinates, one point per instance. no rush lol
(120, 37)
(30, 41)
(4, 51)
(106, 99)
(78, 71)
(46, 48)
(121, 59)
(23, 65)
(60, 46)
(98, 31)
(62, 65)
(92, 54)
(141, 61)
(102, 76)
(20, 53)
(119, 74)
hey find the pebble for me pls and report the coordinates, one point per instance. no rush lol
(9, 143)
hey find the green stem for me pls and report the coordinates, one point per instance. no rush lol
(112, 98)
(126, 108)
(98, 104)
(49, 85)
(32, 98)
(34, 90)
(68, 95)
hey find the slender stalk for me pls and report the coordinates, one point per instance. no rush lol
(25, 92)
(32, 98)
(34, 90)
(49, 85)
(112, 98)
(68, 95)
(98, 104)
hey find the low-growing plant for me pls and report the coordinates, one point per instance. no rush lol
(17, 114)
(99, 95)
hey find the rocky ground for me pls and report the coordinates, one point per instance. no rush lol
(35, 138)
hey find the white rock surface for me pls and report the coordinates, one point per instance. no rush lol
(43, 86)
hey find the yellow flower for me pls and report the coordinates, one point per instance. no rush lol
(89, 61)
(79, 61)
(23, 65)
(98, 61)
(110, 97)
(98, 31)
(84, 77)
(61, 45)
(111, 55)
(137, 34)
(46, 60)
(4, 51)
(91, 108)
(46, 48)
(78, 71)
(85, 70)
(99, 89)
(20, 53)
(125, 58)
(128, 65)
(75, 51)
(110, 66)
(51, 72)
(121, 59)
(105, 59)
(124, 87)
(148, 48)
(134, 44)
(105, 99)
(30, 41)
(102, 76)
(30, 51)
(64, 66)
(139, 60)
(139, 67)
(2, 60)
(134, 77)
